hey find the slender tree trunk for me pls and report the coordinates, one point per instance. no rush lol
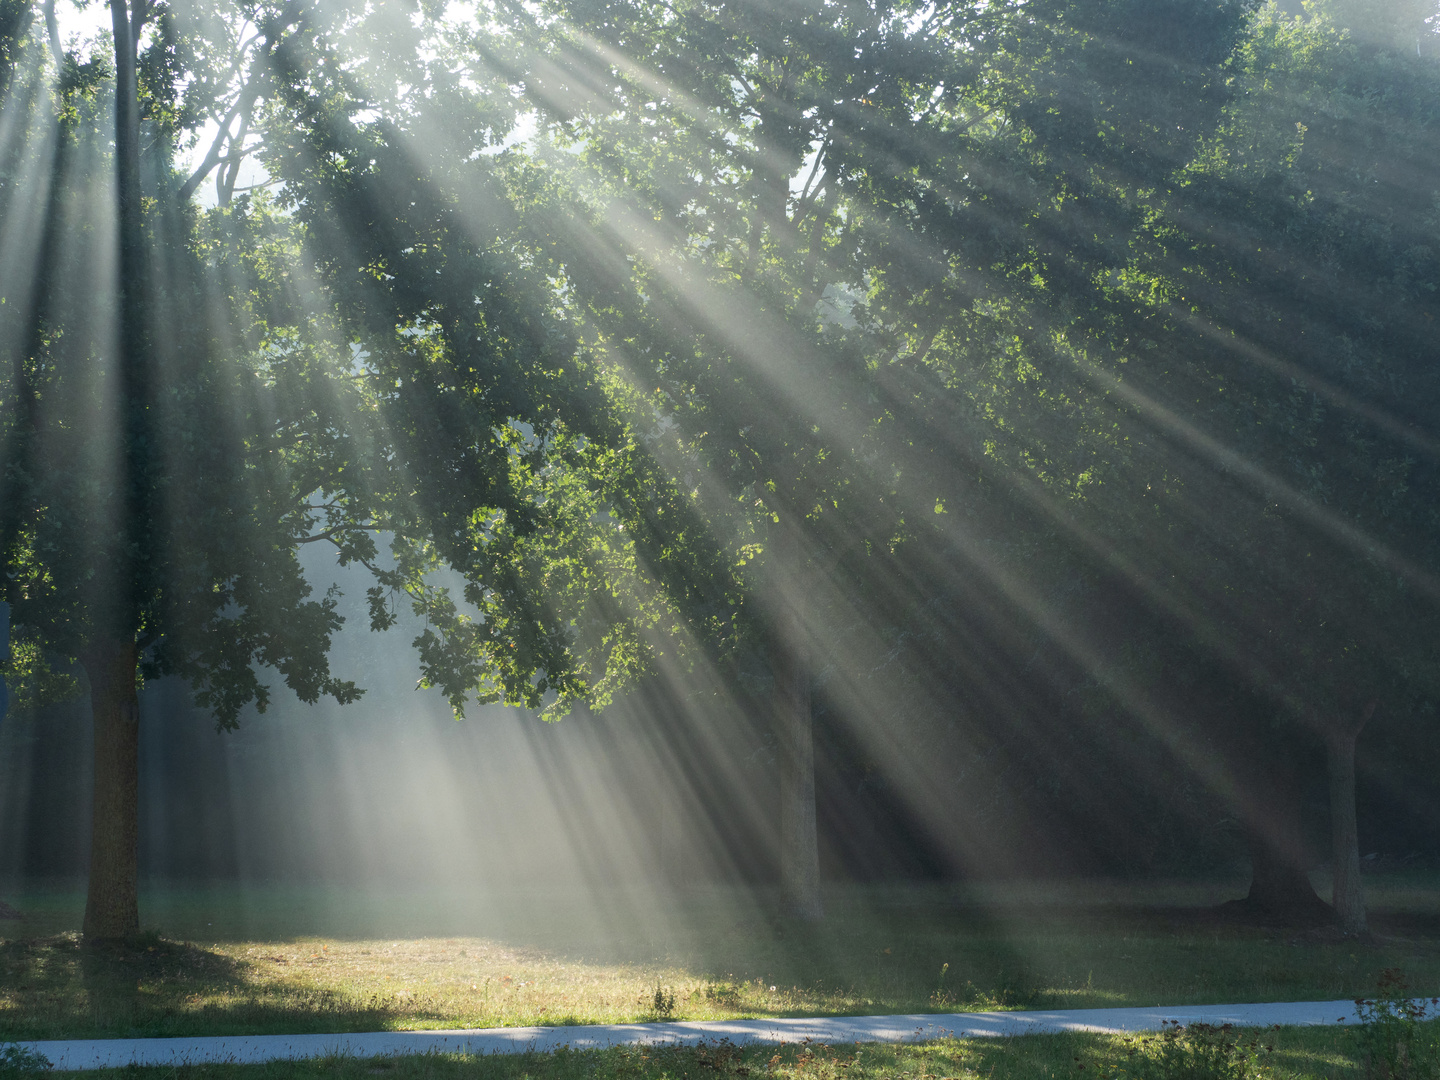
(799, 842)
(1348, 899)
(127, 149)
(794, 584)
(112, 907)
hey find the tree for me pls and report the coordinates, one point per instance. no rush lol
(912, 284)
(696, 250)
(1189, 315)
(1059, 297)
(150, 511)
(328, 400)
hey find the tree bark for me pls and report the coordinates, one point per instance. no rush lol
(127, 147)
(133, 311)
(112, 908)
(794, 725)
(4, 657)
(1348, 899)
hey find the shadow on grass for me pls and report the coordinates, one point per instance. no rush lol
(147, 986)
(911, 951)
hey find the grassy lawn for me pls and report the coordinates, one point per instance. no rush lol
(295, 961)
(1285, 1054)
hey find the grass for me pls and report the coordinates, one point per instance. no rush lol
(1281, 1054)
(227, 963)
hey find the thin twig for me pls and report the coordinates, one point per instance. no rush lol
(330, 534)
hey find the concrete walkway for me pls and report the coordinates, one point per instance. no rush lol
(113, 1053)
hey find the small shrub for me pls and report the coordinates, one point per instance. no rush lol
(723, 993)
(1012, 990)
(1396, 1046)
(664, 1002)
(16, 1060)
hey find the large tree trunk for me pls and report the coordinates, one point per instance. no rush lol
(799, 842)
(112, 908)
(1348, 899)
(1279, 885)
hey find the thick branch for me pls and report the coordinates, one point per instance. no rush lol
(245, 102)
(230, 171)
(142, 13)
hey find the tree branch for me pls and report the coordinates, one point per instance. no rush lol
(330, 534)
(802, 204)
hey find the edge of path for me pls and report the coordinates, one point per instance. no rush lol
(73, 1054)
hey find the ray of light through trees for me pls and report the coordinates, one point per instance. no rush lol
(1027, 403)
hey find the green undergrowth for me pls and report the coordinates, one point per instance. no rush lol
(1271, 1054)
(260, 970)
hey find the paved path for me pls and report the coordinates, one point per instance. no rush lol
(111, 1053)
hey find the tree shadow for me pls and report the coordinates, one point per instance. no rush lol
(63, 988)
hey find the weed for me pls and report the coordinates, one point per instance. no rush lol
(816, 1062)
(1398, 1044)
(942, 998)
(722, 1057)
(664, 1002)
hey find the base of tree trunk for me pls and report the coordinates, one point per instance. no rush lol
(1280, 891)
(1348, 896)
(112, 910)
(1296, 910)
(803, 905)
